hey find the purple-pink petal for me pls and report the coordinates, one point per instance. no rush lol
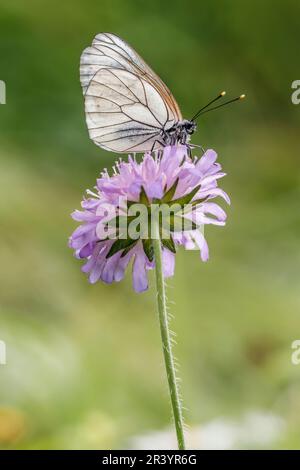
(168, 259)
(139, 273)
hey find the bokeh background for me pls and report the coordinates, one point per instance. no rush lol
(84, 363)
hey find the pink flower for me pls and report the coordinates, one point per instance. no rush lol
(170, 177)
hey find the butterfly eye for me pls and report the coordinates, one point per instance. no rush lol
(190, 127)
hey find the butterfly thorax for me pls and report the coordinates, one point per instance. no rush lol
(179, 133)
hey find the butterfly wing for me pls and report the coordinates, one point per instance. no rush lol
(126, 103)
(118, 114)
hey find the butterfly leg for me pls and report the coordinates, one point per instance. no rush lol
(198, 146)
(162, 144)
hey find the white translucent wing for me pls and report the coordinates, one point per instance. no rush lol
(108, 50)
(118, 114)
(111, 72)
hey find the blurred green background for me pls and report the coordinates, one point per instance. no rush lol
(84, 363)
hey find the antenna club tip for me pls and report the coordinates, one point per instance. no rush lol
(242, 96)
(223, 93)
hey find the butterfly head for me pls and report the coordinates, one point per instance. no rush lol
(189, 126)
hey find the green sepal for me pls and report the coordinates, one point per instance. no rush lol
(169, 244)
(143, 197)
(120, 244)
(128, 249)
(197, 201)
(170, 193)
(186, 199)
(148, 249)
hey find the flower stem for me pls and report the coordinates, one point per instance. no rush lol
(166, 341)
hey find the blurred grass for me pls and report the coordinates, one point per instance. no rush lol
(84, 362)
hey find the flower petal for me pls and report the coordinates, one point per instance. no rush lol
(122, 265)
(139, 274)
(168, 260)
(207, 160)
(202, 244)
(214, 209)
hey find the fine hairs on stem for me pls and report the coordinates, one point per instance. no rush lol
(166, 337)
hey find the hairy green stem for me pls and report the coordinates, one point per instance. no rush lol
(166, 341)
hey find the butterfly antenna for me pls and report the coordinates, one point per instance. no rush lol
(223, 93)
(241, 97)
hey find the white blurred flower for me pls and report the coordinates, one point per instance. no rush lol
(255, 429)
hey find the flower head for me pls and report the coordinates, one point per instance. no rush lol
(174, 180)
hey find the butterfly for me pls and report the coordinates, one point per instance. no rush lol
(128, 107)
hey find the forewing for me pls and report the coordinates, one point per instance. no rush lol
(110, 51)
(124, 112)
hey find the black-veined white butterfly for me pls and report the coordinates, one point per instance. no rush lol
(128, 107)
